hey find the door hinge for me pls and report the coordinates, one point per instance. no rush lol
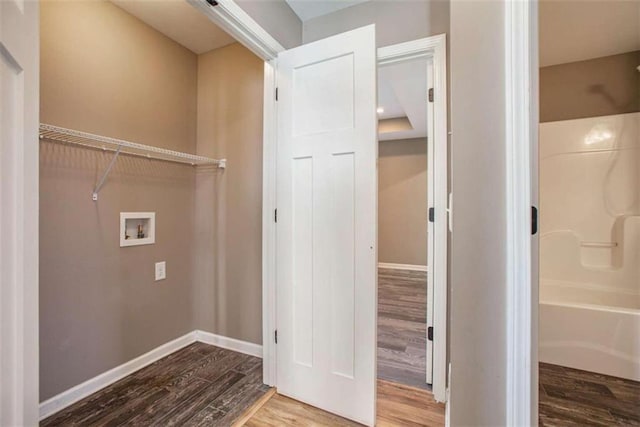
(276, 94)
(430, 333)
(275, 336)
(534, 220)
(431, 214)
(275, 215)
(431, 95)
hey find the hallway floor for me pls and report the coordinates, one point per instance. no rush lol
(573, 397)
(398, 406)
(402, 329)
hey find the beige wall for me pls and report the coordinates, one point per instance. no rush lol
(105, 72)
(96, 78)
(591, 88)
(478, 242)
(229, 204)
(573, 30)
(402, 201)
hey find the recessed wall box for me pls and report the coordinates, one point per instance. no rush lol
(137, 228)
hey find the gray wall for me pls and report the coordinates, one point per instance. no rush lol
(396, 21)
(277, 18)
(99, 303)
(591, 88)
(478, 291)
(402, 201)
(228, 292)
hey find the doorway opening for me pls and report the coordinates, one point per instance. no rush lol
(405, 354)
(413, 215)
(589, 151)
(430, 50)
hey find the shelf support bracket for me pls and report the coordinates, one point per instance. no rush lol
(100, 183)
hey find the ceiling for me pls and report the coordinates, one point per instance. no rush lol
(309, 9)
(402, 92)
(179, 21)
(578, 30)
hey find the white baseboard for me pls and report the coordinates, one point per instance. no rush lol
(74, 394)
(393, 266)
(229, 343)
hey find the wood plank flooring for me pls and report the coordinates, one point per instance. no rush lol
(398, 405)
(197, 385)
(402, 329)
(573, 397)
(402, 405)
(283, 411)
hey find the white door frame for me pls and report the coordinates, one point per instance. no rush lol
(435, 49)
(521, 78)
(19, 172)
(230, 17)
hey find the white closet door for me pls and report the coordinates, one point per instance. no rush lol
(326, 229)
(19, 212)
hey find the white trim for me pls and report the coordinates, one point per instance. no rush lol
(410, 267)
(19, 237)
(434, 47)
(74, 394)
(229, 343)
(97, 383)
(235, 21)
(521, 134)
(269, 366)
(420, 48)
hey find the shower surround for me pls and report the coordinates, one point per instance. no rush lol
(590, 244)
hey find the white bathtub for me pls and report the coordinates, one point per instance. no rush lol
(590, 327)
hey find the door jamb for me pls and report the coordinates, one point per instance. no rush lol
(269, 170)
(19, 192)
(434, 48)
(521, 108)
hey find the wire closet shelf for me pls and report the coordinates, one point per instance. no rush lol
(105, 143)
(119, 146)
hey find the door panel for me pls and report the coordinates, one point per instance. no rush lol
(326, 230)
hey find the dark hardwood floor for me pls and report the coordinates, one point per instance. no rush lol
(573, 397)
(402, 329)
(198, 385)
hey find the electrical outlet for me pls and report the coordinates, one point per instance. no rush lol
(161, 270)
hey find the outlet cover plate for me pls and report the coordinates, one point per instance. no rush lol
(161, 270)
